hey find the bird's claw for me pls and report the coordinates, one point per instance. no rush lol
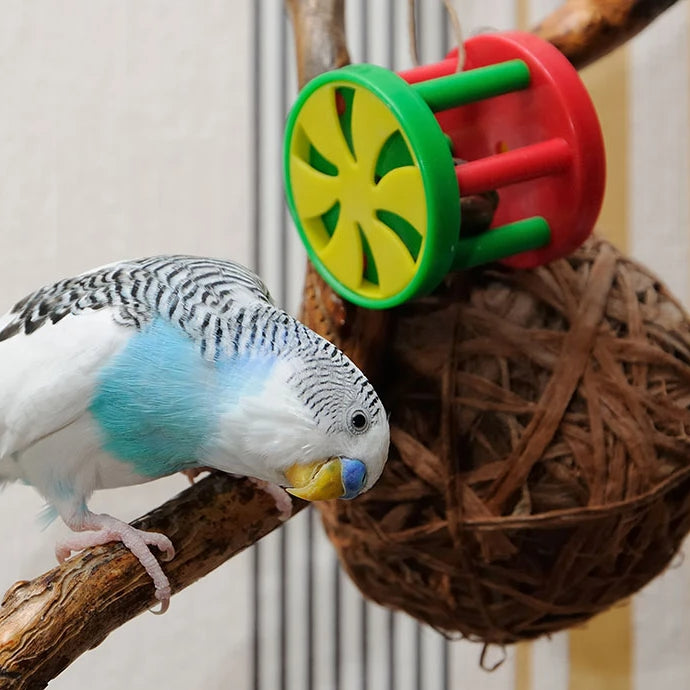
(105, 529)
(165, 605)
(280, 496)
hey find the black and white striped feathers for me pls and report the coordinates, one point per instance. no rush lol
(222, 306)
(189, 291)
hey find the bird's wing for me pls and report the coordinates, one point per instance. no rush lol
(55, 340)
(191, 292)
(47, 376)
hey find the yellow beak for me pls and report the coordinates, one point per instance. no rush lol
(316, 481)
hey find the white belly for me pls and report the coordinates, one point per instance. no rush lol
(70, 461)
(47, 378)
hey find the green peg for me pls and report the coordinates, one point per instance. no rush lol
(458, 89)
(499, 243)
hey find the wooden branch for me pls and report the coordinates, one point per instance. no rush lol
(46, 623)
(586, 30)
(319, 27)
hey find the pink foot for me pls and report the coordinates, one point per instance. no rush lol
(280, 496)
(102, 529)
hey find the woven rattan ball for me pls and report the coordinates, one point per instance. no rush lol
(540, 462)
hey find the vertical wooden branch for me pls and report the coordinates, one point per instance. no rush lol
(319, 27)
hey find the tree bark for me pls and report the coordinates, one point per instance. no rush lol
(586, 30)
(319, 36)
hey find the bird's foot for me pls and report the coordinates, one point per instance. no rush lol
(102, 529)
(280, 496)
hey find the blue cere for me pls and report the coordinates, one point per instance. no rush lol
(353, 474)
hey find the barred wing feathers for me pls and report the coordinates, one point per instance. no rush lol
(176, 287)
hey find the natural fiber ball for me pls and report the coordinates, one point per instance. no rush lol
(540, 461)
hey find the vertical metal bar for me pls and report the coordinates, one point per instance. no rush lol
(444, 30)
(256, 141)
(392, 11)
(364, 645)
(310, 582)
(256, 612)
(392, 676)
(447, 42)
(256, 254)
(419, 658)
(422, 51)
(282, 282)
(445, 644)
(283, 100)
(363, 31)
(419, 31)
(283, 605)
(364, 622)
(337, 624)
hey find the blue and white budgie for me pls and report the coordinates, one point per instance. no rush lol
(144, 368)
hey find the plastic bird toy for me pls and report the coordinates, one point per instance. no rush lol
(373, 184)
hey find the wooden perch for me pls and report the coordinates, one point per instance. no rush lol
(47, 623)
(586, 30)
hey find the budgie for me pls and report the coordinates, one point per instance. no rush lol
(144, 368)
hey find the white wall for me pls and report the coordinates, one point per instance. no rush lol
(124, 132)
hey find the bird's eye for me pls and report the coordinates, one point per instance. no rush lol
(359, 421)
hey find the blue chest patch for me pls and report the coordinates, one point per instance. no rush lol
(158, 403)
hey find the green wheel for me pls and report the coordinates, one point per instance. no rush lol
(371, 186)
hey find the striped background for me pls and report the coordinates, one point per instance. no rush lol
(325, 635)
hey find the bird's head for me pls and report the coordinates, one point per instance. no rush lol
(307, 419)
(344, 452)
(353, 445)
